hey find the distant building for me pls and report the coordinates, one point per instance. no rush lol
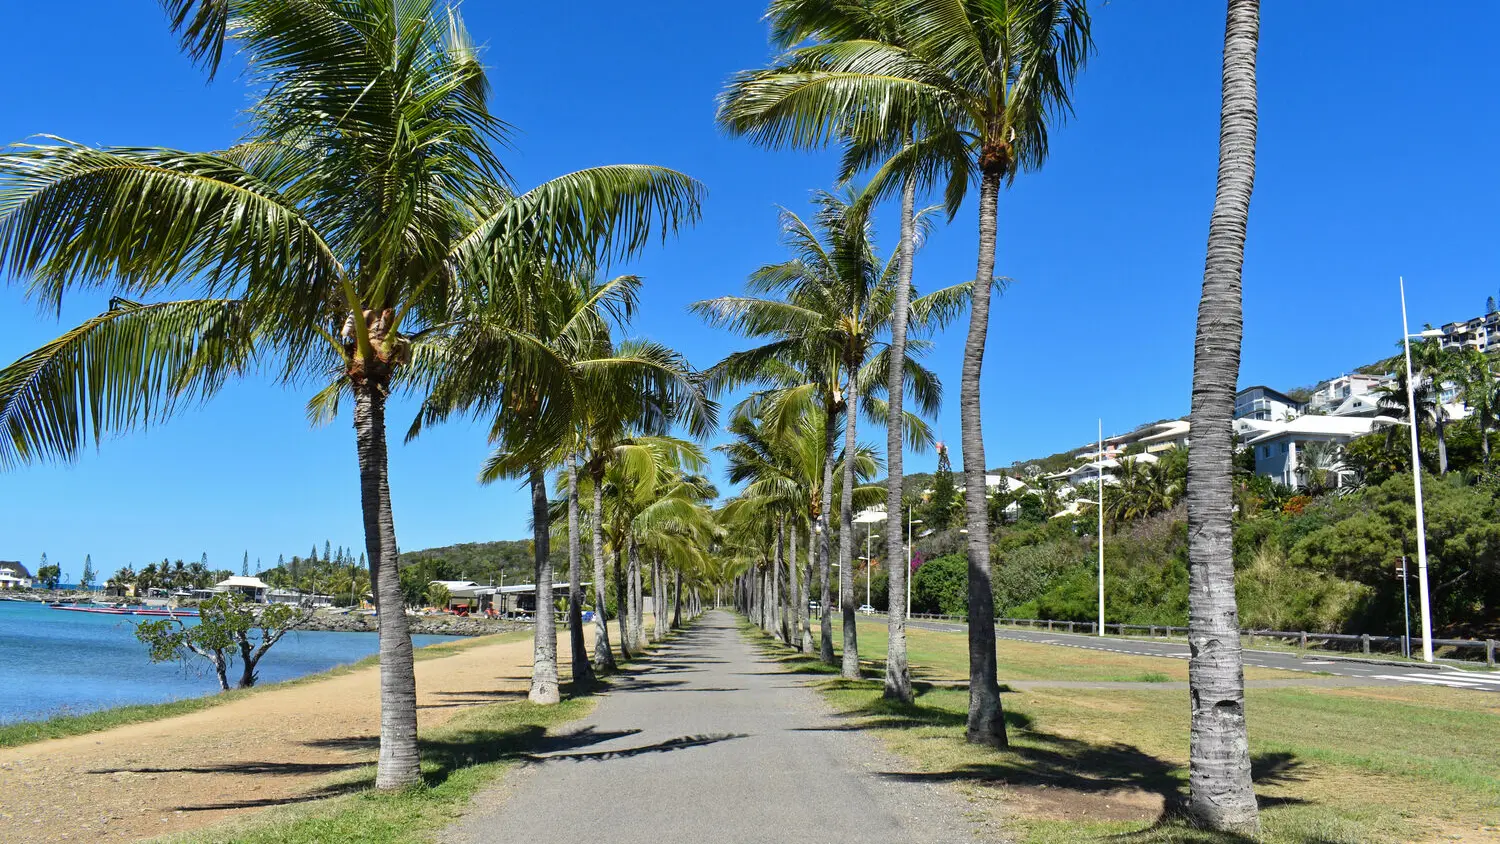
(1263, 404)
(250, 588)
(13, 575)
(1276, 447)
(1335, 393)
(1479, 333)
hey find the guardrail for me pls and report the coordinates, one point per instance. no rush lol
(1301, 638)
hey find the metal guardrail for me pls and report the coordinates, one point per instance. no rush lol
(1300, 637)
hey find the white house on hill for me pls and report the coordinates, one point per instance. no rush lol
(13, 575)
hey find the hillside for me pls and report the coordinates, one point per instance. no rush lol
(482, 561)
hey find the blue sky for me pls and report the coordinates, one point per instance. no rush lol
(1376, 158)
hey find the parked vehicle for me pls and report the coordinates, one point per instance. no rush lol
(867, 609)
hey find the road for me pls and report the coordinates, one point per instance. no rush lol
(710, 741)
(1372, 673)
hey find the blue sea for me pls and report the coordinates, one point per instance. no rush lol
(57, 663)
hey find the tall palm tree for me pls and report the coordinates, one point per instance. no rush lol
(525, 359)
(1476, 378)
(981, 80)
(306, 269)
(1222, 794)
(835, 305)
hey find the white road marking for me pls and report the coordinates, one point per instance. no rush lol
(1432, 681)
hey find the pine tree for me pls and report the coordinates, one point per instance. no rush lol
(944, 493)
(1489, 306)
(327, 551)
(87, 578)
(245, 564)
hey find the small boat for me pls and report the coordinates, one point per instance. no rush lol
(125, 611)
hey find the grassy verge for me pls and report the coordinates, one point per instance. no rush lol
(63, 726)
(1378, 764)
(459, 758)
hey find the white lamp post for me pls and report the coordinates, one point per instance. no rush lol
(1416, 476)
(1101, 527)
(869, 534)
(909, 573)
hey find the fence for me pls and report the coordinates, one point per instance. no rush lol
(1301, 638)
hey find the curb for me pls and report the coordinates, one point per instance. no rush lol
(1392, 662)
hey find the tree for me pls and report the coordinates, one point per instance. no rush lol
(1222, 795)
(124, 578)
(228, 628)
(306, 267)
(86, 580)
(245, 564)
(834, 303)
(48, 574)
(437, 595)
(940, 508)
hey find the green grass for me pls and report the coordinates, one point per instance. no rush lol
(63, 726)
(458, 759)
(1378, 764)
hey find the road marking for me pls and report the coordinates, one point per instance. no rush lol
(1432, 681)
(1316, 662)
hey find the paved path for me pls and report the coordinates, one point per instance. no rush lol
(1370, 674)
(710, 742)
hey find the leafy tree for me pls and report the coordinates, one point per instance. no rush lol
(438, 595)
(48, 574)
(228, 629)
(941, 586)
(943, 505)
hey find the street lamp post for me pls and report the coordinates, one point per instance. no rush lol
(1101, 527)
(909, 522)
(869, 534)
(1416, 476)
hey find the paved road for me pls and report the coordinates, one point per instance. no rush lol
(710, 742)
(1367, 673)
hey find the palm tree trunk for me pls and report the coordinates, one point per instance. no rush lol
(825, 590)
(544, 643)
(1442, 439)
(768, 598)
(583, 672)
(850, 668)
(797, 600)
(807, 637)
(1222, 794)
(897, 671)
(622, 606)
(637, 604)
(604, 658)
(676, 599)
(660, 599)
(986, 717)
(399, 765)
(778, 606)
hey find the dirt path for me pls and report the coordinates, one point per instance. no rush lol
(279, 746)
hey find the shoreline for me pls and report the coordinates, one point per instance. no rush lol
(63, 725)
(433, 625)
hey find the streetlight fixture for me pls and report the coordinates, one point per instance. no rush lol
(869, 563)
(1416, 476)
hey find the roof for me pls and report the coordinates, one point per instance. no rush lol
(1318, 426)
(243, 582)
(1010, 484)
(450, 585)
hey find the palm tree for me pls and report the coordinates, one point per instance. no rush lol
(522, 359)
(982, 80)
(1476, 378)
(1222, 794)
(305, 268)
(836, 303)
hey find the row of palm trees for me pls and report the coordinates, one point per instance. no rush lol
(946, 95)
(364, 238)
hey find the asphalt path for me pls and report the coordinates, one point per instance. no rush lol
(1367, 673)
(709, 741)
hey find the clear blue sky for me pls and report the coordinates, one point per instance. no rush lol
(1377, 158)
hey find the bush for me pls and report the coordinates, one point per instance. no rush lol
(941, 586)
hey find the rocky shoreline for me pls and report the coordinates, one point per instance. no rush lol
(441, 625)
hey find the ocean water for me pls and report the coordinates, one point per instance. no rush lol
(54, 662)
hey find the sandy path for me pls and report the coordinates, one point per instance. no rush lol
(277, 746)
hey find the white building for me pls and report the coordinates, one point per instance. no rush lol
(1334, 393)
(1276, 446)
(13, 575)
(249, 588)
(1478, 333)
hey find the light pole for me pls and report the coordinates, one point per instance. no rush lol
(909, 522)
(869, 534)
(1101, 527)
(1416, 477)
